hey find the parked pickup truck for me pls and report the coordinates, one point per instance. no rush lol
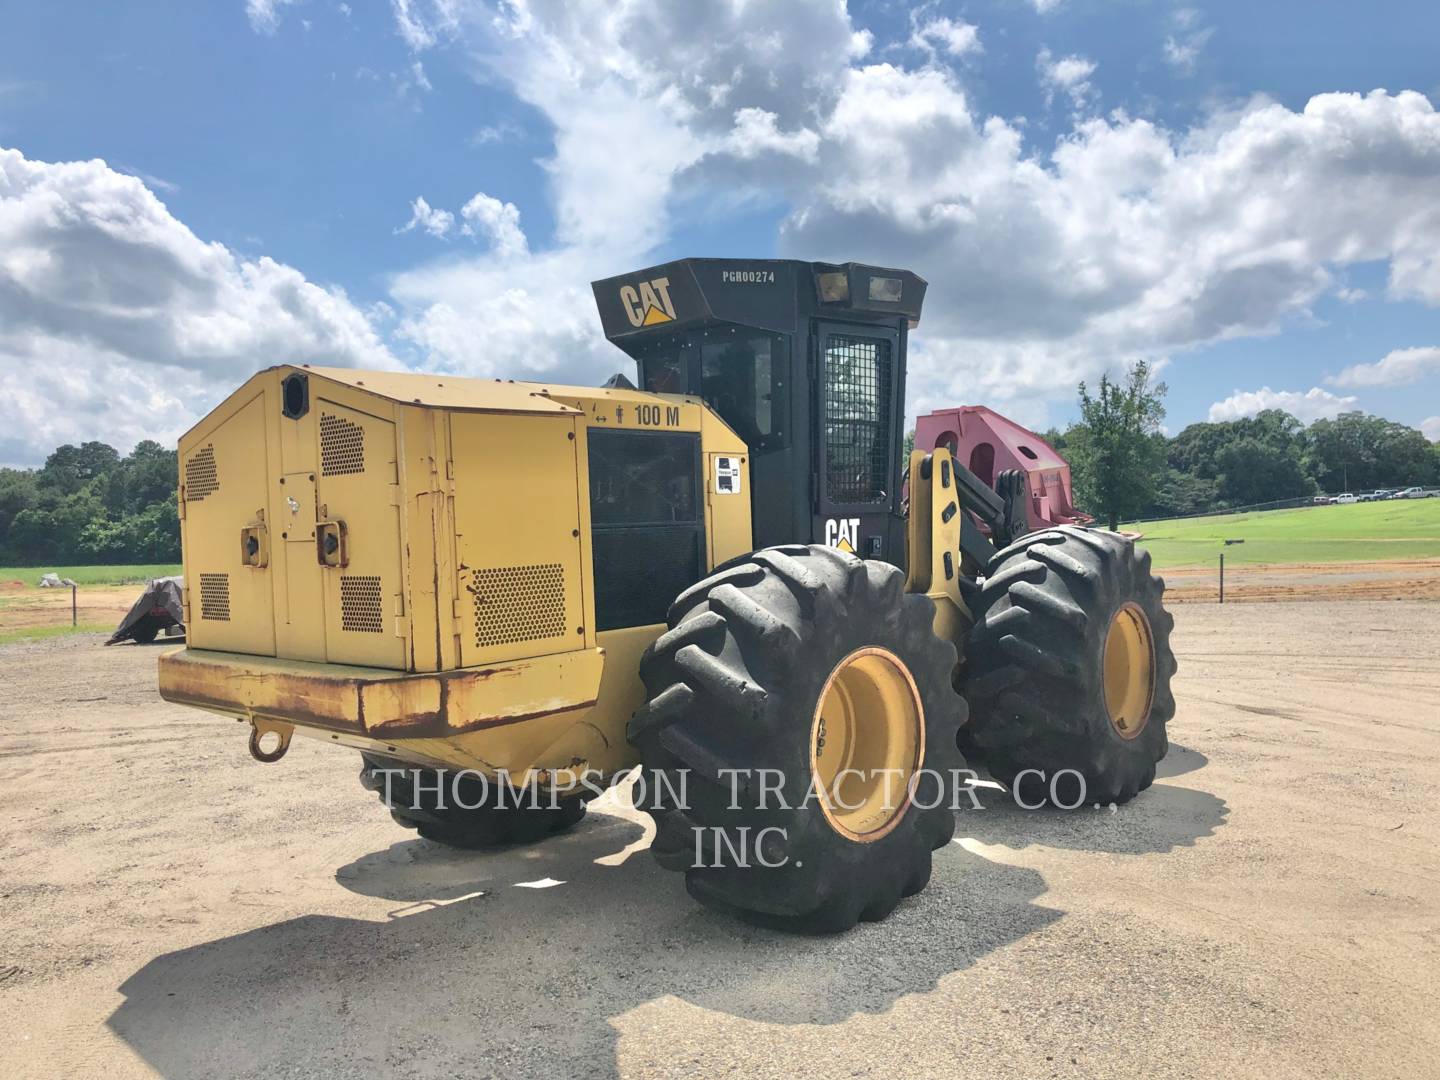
(1411, 493)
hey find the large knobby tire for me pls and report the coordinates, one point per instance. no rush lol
(1053, 608)
(737, 683)
(479, 819)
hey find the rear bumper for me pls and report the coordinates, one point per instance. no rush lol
(380, 709)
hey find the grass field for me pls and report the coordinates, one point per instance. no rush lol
(1399, 529)
(36, 633)
(89, 575)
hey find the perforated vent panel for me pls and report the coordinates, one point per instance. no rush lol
(519, 603)
(361, 604)
(215, 597)
(342, 446)
(201, 477)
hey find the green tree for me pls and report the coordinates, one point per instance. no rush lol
(1356, 452)
(1117, 452)
(1179, 494)
(88, 504)
(70, 468)
(1254, 471)
(18, 491)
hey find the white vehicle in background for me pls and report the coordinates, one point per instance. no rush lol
(1347, 498)
(1410, 493)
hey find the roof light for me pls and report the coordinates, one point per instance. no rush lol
(885, 290)
(834, 287)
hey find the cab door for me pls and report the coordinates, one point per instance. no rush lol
(858, 402)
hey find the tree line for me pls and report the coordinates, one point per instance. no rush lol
(1124, 467)
(88, 504)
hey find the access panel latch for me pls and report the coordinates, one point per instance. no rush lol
(330, 543)
(255, 546)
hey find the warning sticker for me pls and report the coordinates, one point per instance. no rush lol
(727, 476)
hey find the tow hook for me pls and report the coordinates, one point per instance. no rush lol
(259, 728)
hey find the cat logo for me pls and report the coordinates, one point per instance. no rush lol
(842, 533)
(650, 304)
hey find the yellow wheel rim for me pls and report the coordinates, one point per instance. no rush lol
(867, 740)
(1129, 671)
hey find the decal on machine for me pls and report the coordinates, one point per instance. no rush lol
(649, 303)
(842, 533)
(727, 476)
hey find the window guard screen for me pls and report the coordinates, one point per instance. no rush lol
(858, 385)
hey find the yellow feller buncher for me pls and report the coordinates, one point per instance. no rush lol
(506, 595)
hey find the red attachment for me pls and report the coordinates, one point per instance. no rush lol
(987, 444)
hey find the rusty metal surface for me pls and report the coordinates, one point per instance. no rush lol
(380, 704)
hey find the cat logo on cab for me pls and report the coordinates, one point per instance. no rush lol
(649, 303)
(842, 533)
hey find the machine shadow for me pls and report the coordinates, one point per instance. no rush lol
(473, 974)
(1159, 819)
(1179, 761)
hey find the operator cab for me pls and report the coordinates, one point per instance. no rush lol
(806, 363)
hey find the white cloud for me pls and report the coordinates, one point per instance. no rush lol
(118, 323)
(1045, 7)
(1313, 404)
(1351, 296)
(1396, 368)
(264, 15)
(423, 216)
(425, 23)
(495, 133)
(1182, 48)
(497, 221)
(1068, 74)
(1431, 428)
(757, 132)
(1047, 264)
(955, 37)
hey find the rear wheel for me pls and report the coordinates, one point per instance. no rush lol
(799, 739)
(466, 813)
(1069, 666)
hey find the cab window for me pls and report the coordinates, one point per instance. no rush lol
(743, 378)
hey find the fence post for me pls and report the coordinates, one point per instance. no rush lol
(74, 608)
(1222, 577)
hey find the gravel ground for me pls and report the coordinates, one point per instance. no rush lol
(1271, 908)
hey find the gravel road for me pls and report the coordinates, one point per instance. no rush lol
(1270, 908)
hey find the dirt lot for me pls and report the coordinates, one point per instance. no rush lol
(24, 607)
(1398, 579)
(1268, 909)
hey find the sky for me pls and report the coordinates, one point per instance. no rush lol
(1246, 194)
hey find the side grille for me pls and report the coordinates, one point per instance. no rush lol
(201, 477)
(361, 604)
(519, 603)
(215, 597)
(342, 446)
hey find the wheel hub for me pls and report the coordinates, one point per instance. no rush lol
(867, 740)
(1129, 671)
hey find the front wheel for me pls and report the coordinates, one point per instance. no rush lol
(799, 741)
(1069, 666)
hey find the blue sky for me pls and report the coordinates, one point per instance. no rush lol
(1083, 182)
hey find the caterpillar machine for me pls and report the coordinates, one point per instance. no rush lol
(713, 576)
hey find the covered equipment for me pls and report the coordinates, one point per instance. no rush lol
(160, 609)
